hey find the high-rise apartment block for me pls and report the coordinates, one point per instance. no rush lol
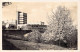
(22, 18)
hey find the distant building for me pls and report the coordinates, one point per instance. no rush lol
(9, 25)
(42, 23)
(21, 20)
(39, 27)
(12, 26)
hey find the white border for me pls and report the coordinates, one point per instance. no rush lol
(78, 1)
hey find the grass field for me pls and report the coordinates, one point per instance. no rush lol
(25, 45)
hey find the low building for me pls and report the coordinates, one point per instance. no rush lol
(12, 26)
(33, 27)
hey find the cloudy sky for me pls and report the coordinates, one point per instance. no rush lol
(37, 11)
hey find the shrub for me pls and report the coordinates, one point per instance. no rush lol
(34, 36)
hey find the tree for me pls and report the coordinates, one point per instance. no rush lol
(60, 24)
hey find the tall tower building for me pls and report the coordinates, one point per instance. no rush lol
(22, 19)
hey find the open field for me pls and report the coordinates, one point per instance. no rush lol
(25, 45)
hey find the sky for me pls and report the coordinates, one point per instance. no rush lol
(37, 11)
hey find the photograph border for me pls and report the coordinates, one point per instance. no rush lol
(78, 17)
